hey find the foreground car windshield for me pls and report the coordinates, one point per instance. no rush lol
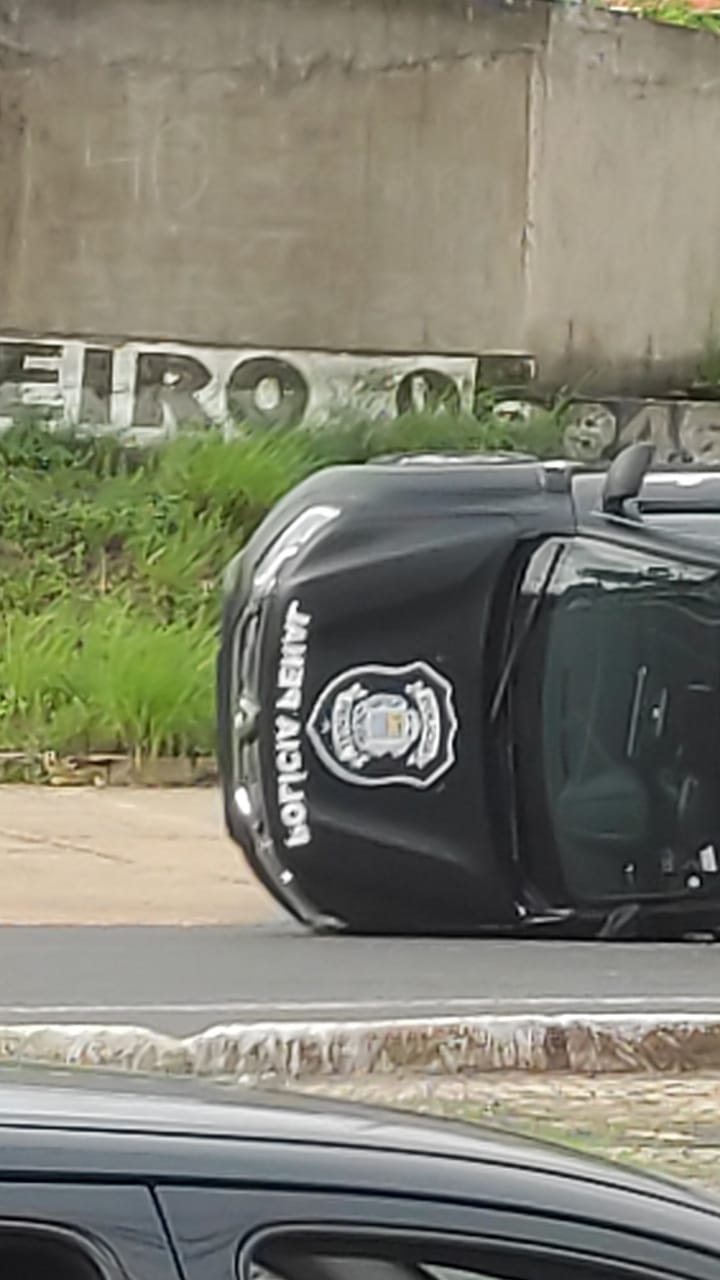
(618, 714)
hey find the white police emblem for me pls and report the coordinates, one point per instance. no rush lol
(376, 726)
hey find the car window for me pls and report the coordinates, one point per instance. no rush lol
(29, 1255)
(624, 669)
(389, 1257)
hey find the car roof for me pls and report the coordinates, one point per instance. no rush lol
(79, 1102)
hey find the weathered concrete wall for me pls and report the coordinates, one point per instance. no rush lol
(247, 171)
(429, 176)
(624, 276)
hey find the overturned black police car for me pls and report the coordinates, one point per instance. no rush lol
(473, 693)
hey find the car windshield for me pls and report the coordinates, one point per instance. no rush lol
(617, 710)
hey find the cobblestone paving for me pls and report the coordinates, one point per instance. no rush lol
(666, 1124)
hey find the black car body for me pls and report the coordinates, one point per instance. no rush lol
(149, 1182)
(465, 694)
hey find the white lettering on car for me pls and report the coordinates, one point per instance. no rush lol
(289, 767)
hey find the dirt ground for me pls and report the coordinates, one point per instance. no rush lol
(664, 1124)
(121, 856)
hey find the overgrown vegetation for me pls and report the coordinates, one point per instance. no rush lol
(110, 562)
(677, 13)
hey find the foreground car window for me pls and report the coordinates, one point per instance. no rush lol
(388, 1258)
(622, 686)
(25, 1255)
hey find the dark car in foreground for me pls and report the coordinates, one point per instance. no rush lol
(471, 693)
(149, 1182)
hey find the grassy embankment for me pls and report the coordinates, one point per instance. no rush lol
(110, 564)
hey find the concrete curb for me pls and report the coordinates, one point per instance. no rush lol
(285, 1052)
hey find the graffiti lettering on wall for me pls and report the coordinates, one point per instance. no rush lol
(682, 430)
(146, 391)
(154, 387)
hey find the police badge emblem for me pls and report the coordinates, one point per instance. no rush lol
(378, 726)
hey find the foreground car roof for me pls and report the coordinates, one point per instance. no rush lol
(80, 1103)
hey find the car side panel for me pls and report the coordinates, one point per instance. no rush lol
(119, 1224)
(212, 1227)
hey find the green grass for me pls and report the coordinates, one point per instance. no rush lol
(676, 13)
(680, 15)
(106, 678)
(111, 560)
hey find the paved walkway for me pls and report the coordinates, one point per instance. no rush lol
(120, 856)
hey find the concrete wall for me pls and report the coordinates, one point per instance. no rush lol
(422, 177)
(624, 281)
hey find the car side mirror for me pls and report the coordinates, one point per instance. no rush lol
(626, 473)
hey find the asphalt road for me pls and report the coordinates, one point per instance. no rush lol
(185, 979)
